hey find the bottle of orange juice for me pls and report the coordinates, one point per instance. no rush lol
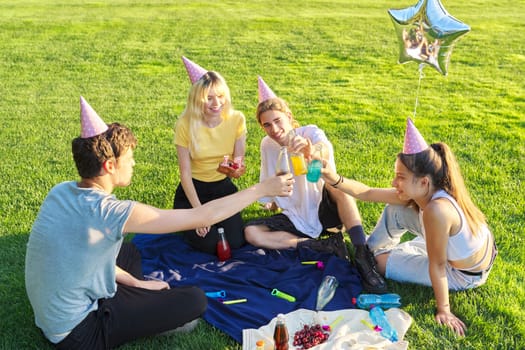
(297, 158)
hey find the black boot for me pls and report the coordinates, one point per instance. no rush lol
(314, 244)
(339, 244)
(365, 262)
(334, 244)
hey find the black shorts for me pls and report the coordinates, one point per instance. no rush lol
(135, 312)
(327, 212)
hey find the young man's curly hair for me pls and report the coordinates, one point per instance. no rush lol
(90, 153)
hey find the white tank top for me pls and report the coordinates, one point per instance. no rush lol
(463, 244)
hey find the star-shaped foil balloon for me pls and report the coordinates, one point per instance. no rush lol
(427, 33)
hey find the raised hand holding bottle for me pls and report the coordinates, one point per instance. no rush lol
(283, 167)
(297, 158)
(316, 164)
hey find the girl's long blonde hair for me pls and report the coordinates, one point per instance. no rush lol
(197, 99)
(439, 163)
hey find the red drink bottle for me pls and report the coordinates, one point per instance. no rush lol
(223, 247)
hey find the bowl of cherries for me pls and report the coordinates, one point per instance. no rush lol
(310, 336)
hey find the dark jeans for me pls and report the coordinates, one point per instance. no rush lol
(233, 226)
(135, 312)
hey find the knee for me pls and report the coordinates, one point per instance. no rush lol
(381, 261)
(252, 235)
(207, 244)
(237, 242)
(397, 210)
(201, 301)
(342, 199)
(192, 297)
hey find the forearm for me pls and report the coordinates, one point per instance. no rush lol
(222, 208)
(148, 219)
(190, 191)
(239, 148)
(365, 193)
(354, 188)
(438, 278)
(186, 176)
(125, 278)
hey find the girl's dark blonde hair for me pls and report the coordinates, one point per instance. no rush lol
(439, 163)
(275, 104)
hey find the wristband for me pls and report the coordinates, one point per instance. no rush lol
(340, 181)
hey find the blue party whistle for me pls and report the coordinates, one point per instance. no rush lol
(219, 294)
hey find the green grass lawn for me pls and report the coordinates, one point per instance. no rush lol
(334, 61)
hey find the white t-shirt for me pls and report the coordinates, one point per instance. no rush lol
(302, 207)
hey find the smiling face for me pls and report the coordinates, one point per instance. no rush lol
(408, 185)
(404, 181)
(214, 103)
(209, 99)
(277, 125)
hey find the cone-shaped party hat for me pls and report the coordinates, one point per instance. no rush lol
(195, 72)
(265, 92)
(90, 123)
(414, 142)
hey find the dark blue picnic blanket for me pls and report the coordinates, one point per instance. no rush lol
(252, 273)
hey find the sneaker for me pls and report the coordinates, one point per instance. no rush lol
(372, 281)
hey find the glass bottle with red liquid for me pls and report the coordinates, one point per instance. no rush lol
(280, 334)
(223, 247)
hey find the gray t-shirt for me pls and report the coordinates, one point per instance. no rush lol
(71, 255)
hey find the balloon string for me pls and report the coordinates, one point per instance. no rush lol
(421, 75)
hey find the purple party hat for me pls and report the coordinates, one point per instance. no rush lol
(265, 92)
(195, 72)
(90, 123)
(414, 142)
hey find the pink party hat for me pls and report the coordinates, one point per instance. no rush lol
(91, 124)
(414, 142)
(265, 92)
(195, 72)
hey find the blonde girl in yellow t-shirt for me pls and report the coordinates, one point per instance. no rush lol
(208, 130)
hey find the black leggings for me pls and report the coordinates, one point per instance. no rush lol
(233, 226)
(135, 312)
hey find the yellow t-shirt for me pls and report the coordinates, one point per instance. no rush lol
(213, 144)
